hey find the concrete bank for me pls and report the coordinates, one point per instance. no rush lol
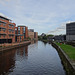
(68, 65)
(15, 45)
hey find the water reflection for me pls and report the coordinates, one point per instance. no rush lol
(23, 51)
(35, 59)
(34, 41)
(7, 61)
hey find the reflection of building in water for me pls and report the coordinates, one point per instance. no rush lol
(23, 51)
(34, 41)
(26, 51)
(7, 61)
(33, 45)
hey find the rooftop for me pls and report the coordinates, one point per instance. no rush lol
(4, 17)
(21, 26)
(70, 22)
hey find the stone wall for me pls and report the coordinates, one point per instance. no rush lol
(14, 46)
(68, 65)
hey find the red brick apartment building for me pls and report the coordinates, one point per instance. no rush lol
(21, 33)
(7, 30)
(36, 35)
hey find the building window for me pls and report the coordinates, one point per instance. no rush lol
(4, 29)
(3, 35)
(15, 28)
(9, 35)
(12, 30)
(18, 32)
(15, 31)
(9, 25)
(9, 30)
(0, 29)
(18, 28)
(3, 24)
(12, 26)
(13, 36)
(0, 23)
(24, 30)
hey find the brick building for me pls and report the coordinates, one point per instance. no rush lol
(31, 30)
(36, 35)
(7, 30)
(21, 33)
(26, 32)
(31, 35)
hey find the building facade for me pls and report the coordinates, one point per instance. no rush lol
(26, 32)
(36, 35)
(9, 33)
(31, 35)
(21, 33)
(70, 31)
(31, 30)
(7, 30)
(60, 38)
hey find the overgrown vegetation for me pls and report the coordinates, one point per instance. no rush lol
(44, 37)
(68, 49)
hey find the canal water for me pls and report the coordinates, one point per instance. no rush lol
(35, 59)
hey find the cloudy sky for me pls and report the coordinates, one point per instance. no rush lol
(45, 16)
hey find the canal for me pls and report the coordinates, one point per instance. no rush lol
(35, 59)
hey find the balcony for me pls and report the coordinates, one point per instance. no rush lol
(3, 26)
(3, 36)
(11, 27)
(11, 36)
(11, 32)
(3, 32)
(4, 21)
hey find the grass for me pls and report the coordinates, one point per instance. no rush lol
(69, 50)
(45, 41)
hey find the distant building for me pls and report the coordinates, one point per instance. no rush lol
(60, 38)
(31, 35)
(70, 31)
(7, 30)
(50, 38)
(43, 34)
(31, 30)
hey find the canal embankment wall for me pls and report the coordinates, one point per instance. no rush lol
(68, 65)
(15, 45)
